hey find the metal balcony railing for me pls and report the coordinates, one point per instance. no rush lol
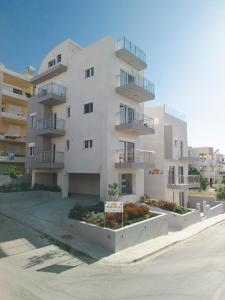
(125, 116)
(193, 179)
(134, 156)
(52, 89)
(51, 123)
(126, 78)
(49, 157)
(124, 43)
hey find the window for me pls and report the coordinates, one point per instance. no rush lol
(67, 144)
(89, 72)
(176, 142)
(59, 58)
(68, 112)
(87, 144)
(17, 91)
(51, 63)
(181, 174)
(126, 184)
(171, 175)
(31, 151)
(88, 108)
(33, 121)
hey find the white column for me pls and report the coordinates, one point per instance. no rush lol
(33, 178)
(65, 185)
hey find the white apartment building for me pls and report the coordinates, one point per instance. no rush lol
(210, 163)
(169, 179)
(86, 119)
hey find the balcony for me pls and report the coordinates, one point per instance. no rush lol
(50, 73)
(47, 160)
(51, 127)
(177, 182)
(16, 117)
(13, 93)
(131, 54)
(136, 87)
(12, 157)
(51, 94)
(12, 138)
(134, 122)
(137, 159)
(194, 181)
(209, 174)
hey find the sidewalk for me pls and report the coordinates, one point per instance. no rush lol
(76, 245)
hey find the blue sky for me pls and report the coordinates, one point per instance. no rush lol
(184, 41)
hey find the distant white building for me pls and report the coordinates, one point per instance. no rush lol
(86, 119)
(210, 163)
(169, 179)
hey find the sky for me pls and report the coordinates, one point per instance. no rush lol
(184, 41)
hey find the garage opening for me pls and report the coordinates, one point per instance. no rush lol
(84, 184)
(48, 179)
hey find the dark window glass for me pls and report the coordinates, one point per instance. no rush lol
(88, 108)
(89, 72)
(59, 57)
(17, 91)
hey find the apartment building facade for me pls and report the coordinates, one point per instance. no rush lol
(210, 163)
(87, 117)
(169, 179)
(15, 91)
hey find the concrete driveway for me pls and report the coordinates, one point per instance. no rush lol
(48, 207)
(193, 270)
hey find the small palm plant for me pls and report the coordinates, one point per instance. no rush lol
(113, 191)
(12, 171)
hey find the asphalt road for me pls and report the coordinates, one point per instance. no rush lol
(35, 270)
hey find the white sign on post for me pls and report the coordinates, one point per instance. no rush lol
(114, 207)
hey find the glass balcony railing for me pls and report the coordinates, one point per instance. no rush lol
(52, 89)
(134, 156)
(126, 78)
(131, 116)
(124, 43)
(51, 123)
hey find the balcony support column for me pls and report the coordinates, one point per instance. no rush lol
(33, 178)
(63, 183)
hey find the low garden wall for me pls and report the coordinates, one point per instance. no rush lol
(208, 205)
(30, 195)
(177, 221)
(116, 240)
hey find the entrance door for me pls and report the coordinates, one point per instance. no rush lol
(126, 152)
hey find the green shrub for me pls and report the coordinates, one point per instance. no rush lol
(204, 183)
(220, 195)
(42, 187)
(12, 171)
(193, 171)
(181, 210)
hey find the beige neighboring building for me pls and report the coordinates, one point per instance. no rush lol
(169, 180)
(86, 119)
(210, 163)
(15, 91)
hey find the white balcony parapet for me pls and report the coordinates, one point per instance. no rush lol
(134, 159)
(15, 92)
(48, 160)
(183, 182)
(12, 157)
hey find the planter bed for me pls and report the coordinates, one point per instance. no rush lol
(179, 221)
(119, 239)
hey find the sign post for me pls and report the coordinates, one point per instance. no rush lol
(114, 207)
